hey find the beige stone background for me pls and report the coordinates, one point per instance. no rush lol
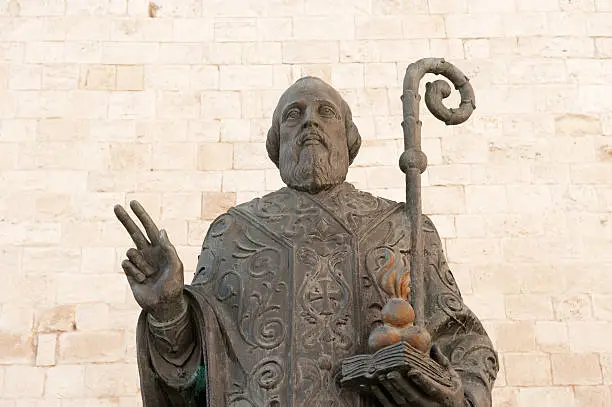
(104, 101)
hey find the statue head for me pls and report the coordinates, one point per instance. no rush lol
(313, 139)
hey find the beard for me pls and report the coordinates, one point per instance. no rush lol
(312, 167)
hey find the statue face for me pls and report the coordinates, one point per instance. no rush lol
(313, 152)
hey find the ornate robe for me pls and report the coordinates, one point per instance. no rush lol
(285, 290)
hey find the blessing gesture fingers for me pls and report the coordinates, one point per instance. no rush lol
(153, 269)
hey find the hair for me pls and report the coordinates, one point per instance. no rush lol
(353, 138)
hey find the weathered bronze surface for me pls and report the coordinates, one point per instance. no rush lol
(287, 287)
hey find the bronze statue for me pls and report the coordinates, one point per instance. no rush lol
(317, 294)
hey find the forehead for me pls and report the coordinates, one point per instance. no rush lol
(309, 91)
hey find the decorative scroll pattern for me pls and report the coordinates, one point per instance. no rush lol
(293, 277)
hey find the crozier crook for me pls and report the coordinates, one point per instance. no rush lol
(403, 314)
(413, 161)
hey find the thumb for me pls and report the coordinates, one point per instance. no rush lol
(438, 356)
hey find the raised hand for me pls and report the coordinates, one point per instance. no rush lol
(417, 389)
(153, 269)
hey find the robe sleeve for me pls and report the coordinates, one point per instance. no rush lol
(171, 361)
(454, 327)
(185, 364)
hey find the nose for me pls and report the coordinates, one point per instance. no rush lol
(310, 118)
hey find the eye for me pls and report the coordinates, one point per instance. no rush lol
(293, 113)
(327, 111)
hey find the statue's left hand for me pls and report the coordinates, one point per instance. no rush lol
(418, 389)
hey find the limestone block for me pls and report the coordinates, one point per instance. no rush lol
(98, 77)
(474, 25)
(556, 46)
(529, 370)
(251, 156)
(407, 50)
(580, 5)
(347, 76)
(181, 206)
(310, 52)
(586, 336)
(469, 226)
(206, 131)
(57, 319)
(274, 28)
(567, 23)
(76, 288)
(111, 380)
(65, 382)
(231, 30)
(378, 75)
(340, 27)
(487, 307)
(59, 77)
(454, 174)
(221, 105)
(546, 396)
(573, 307)
(130, 52)
(423, 26)
(43, 52)
(222, 53)
(130, 105)
(378, 27)
(178, 104)
(546, 5)
(130, 156)
(205, 77)
(275, 182)
(17, 348)
(42, 260)
(504, 396)
(477, 48)
(23, 380)
(604, 46)
(241, 77)
(486, 199)
(481, 6)
(529, 307)
(179, 53)
(101, 346)
(551, 336)
(352, 7)
(472, 250)
(243, 180)
(599, 24)
(180, 181)
(602, 307)
(359, 51)
(509, 336)
(25, 77)
(45, 349)
(576, 369)
(196, 230)
(93, 316)
(215, 156)
(586, 396)
(130, 78)
(192, 30)
(446, 7)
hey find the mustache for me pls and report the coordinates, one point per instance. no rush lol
(311, 134)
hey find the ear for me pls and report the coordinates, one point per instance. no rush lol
(273, 142)
(353, 140)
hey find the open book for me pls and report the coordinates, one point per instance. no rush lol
(362, 371)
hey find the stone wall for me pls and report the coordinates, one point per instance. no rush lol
(105, 101)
